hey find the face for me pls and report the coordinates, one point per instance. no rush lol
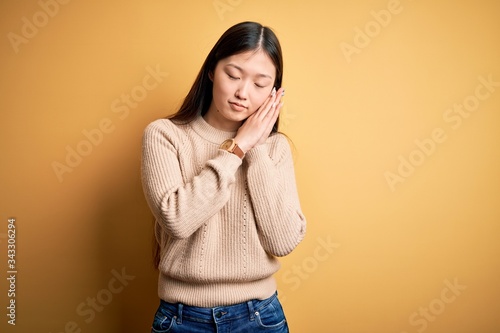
(241, 84)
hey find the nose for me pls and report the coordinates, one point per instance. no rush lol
(242, 91)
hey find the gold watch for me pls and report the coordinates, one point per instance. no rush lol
(231, 146)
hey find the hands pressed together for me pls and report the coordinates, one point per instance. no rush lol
(257, 128)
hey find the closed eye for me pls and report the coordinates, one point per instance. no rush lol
(232, 77)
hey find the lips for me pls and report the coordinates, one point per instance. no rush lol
(237, 106)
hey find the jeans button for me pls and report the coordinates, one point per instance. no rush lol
(218, 314)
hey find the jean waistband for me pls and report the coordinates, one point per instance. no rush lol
(216, 314)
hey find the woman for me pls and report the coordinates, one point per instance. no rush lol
(219, 180)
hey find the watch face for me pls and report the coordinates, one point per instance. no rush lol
(227, 145)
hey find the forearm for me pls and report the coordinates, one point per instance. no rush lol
(275, 200)
(180, 203)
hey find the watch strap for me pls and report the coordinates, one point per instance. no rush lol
(237, 151)
(231, 146)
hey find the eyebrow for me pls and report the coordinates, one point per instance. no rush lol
(242, 70)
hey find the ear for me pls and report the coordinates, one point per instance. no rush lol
(211, 76)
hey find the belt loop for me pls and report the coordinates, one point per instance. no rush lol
(251, 310)
(179, 313)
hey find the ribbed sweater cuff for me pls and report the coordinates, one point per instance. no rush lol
(256, 153)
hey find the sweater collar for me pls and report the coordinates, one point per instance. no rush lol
(210, 133)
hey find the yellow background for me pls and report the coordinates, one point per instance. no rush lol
(391, 250)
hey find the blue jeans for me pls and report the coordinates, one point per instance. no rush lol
(247, 317)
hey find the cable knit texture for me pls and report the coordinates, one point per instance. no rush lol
(220, 221)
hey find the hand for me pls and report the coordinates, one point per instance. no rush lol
(257, 128)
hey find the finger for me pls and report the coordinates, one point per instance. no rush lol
(277, 98)
(269, 98)
(277, 112)
(280, 93)
(271, 102)
(271, 120)
(276, 105)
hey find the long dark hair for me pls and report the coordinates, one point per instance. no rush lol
(240, 38)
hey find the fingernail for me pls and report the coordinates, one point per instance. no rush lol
(273, 92)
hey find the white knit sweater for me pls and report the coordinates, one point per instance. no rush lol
(220, 221)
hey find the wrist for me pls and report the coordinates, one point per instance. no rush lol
(232, 146)
(242, 144)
